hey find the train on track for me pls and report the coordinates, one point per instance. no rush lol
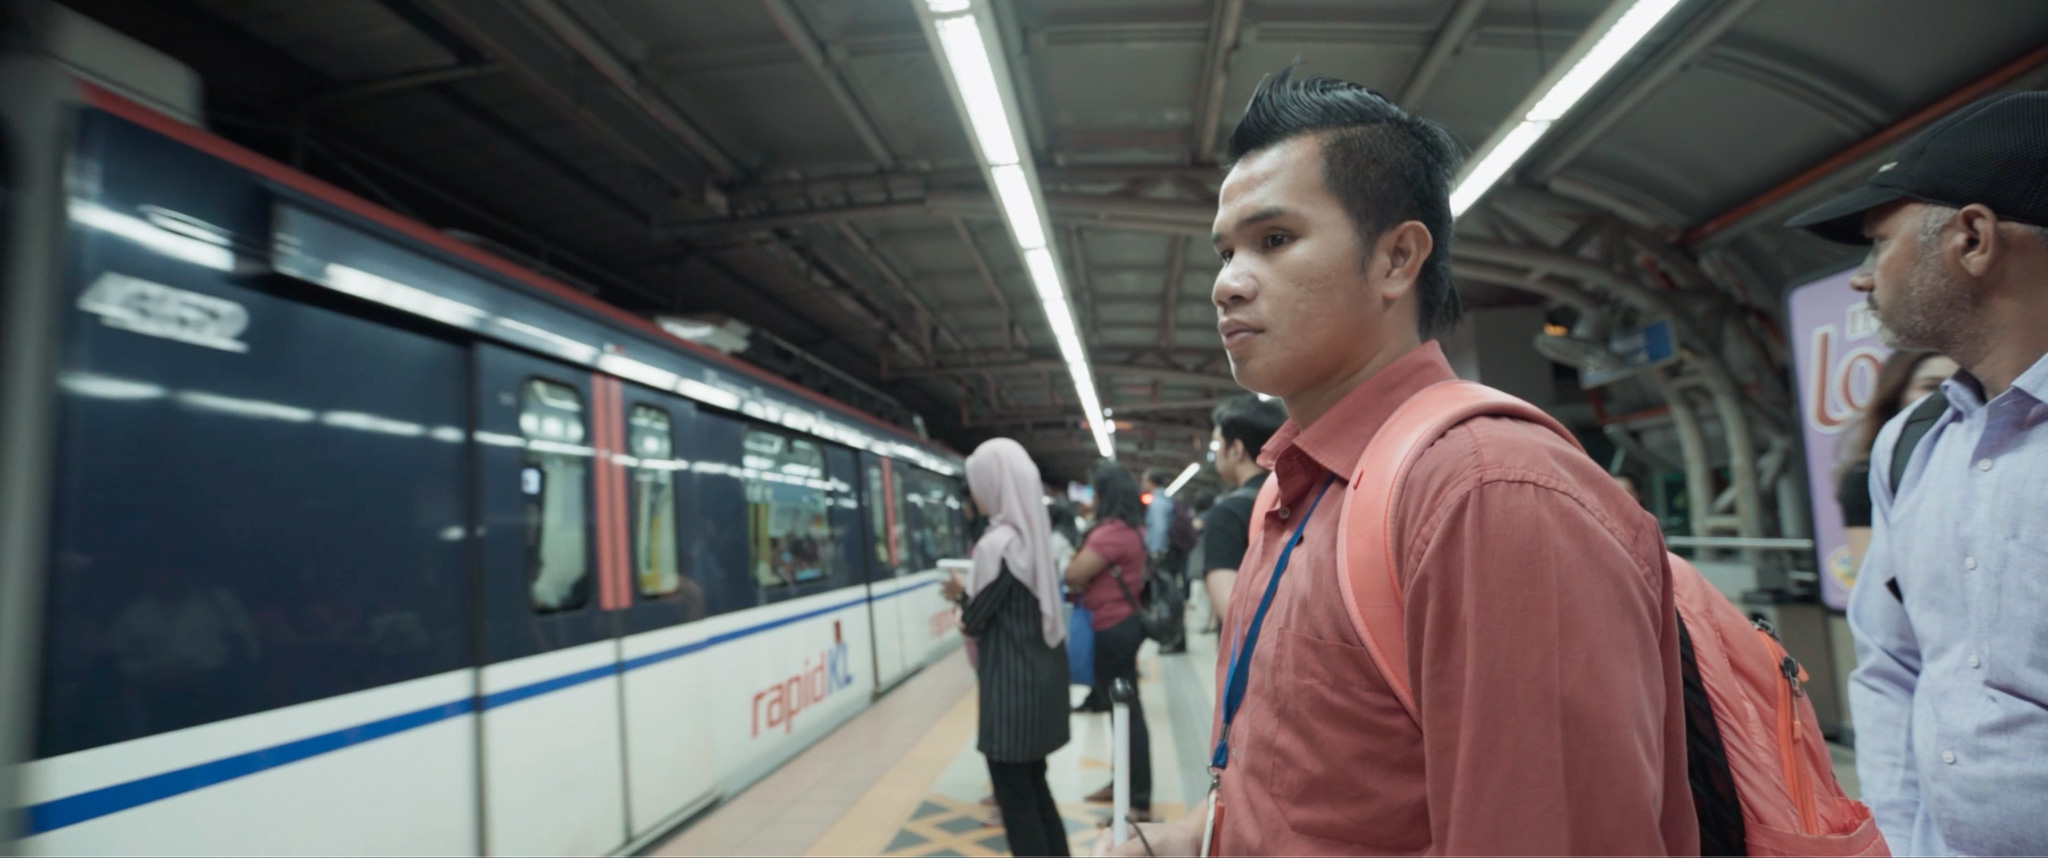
(362, 538)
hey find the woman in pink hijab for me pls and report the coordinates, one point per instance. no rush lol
(1011, 606)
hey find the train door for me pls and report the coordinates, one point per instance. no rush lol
(930, 512)
(671, 769)
(553, 581)
(885, 566)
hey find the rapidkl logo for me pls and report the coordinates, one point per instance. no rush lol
(781, 702)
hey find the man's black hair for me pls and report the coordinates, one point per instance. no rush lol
(1386, 165)
(1157, 476)
(1249, 419)
(1116, 496)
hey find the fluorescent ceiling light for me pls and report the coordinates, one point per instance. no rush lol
(972, 67)
(1045, 276)
(968, 58)
(1183, 479)
(1606, 53)
(1014, 192)
(1495, 164)
(1594, 55)
(1061, 318)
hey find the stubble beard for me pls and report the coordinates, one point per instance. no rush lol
(1930, 312)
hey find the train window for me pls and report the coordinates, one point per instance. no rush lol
(558, 565)
(654, 503)
(789, 530)
(933, 524)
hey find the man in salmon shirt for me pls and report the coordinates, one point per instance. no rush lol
(1541, 629)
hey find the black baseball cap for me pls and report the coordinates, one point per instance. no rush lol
(1994, 152)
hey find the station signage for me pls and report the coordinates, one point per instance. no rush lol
(1836, 353)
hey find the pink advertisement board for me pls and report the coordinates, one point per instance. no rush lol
(1836, 353)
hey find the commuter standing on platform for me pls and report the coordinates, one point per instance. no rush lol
(1908, 376)
(1108, 573)
(1011, 606)
(1950, 608)
(1541, 626)
(1242, 426)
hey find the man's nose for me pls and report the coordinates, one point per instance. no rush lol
(1865, 277)
(1234, 286)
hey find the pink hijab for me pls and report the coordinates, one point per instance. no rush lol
(1005, 486)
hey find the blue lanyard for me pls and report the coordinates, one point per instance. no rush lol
(1241, 651)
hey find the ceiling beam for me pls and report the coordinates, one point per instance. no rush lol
(1170, 217)
(1177, 254)
(1012, 335)
(1810, 86)
(1223, 27)
(1156, 373)
(1449, 39)
(1859, 159)
(509, 37)
(405, 81)
(1084, 290)
(925, 318)
(1201, 405)
(1638, 86)
(791, 22)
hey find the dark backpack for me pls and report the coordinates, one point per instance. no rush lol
(1917, 424)
(1921, 420)
(1181, 535)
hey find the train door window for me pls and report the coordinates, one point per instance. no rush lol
(654, 503)
(790, 542)
(883, 513)
(935, 527)
(557, 465)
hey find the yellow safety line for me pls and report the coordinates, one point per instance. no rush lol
(867, 828)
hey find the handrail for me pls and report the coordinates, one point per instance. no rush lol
(1756, 543)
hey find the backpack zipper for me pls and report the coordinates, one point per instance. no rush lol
(1791, 735)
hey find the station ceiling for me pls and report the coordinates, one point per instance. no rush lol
(799, 164)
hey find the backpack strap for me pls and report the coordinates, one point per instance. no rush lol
(1367, 571)
(1917, 424)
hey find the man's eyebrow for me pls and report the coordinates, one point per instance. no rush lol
(1264, 214)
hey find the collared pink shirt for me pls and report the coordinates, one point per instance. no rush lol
(1542, 647)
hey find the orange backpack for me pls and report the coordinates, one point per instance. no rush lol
(1762, 780)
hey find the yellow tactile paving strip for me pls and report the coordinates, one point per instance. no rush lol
(871, 823)
(904, 778)
(946, 826)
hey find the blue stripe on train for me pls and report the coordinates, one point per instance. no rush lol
(86, 806)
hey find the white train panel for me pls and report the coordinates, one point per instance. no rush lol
(389, 771)
(554, 782)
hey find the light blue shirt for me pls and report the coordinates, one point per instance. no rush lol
(1158, 519)
(1950, 695)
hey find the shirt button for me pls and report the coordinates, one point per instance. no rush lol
(1983, 464)
(1975, 661)
(1282, 512)
(1948, 757)
(1969, 562)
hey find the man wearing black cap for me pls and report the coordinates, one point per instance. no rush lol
(1950, 609)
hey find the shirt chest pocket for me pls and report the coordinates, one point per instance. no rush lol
(1346, 759)
(2016, 652)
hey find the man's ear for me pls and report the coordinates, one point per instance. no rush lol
(1399, 256)
(1977, 248)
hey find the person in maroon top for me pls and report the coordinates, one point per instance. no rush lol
(1113, 552)
(1541, 629)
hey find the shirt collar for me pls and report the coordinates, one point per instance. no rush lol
(1337, 440)
(1966, 393)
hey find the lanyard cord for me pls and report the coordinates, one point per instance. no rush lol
(1241, 651)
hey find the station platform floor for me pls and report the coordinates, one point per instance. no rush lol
(903, 778)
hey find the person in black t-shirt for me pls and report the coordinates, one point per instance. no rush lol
(1243, 424)
(1907, 376)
